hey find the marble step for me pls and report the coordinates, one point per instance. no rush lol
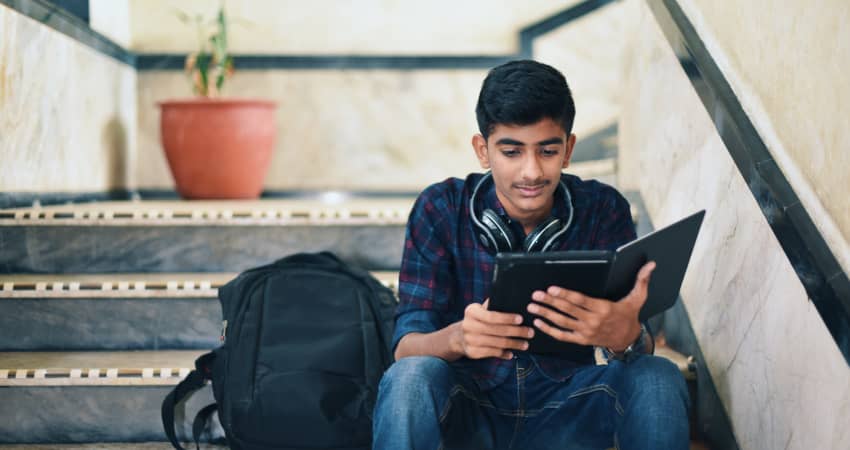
(115, 311)
(50, 397)
(199, 236)
(695, 445)
(76, 397)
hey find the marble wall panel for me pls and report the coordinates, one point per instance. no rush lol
(352, 130)
(789, 69)
(67, 112)
(590, 54)
(334, 27)
(778, 371)
(403, 129)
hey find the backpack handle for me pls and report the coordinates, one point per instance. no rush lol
(194, 381)
(322, 259)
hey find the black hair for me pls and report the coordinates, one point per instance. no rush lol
(522, 93)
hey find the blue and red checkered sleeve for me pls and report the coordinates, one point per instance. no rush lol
(426, 276)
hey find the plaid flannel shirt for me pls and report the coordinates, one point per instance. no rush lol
(445, 268)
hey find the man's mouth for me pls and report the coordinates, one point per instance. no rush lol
(532, 190)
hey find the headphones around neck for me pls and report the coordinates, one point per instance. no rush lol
(496, 235)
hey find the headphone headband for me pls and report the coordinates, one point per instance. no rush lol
(496, 236)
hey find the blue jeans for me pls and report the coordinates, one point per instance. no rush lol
(424, 404)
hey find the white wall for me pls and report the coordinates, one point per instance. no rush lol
(93, 124)
(393, 129)
(344, 27)
(112, 19)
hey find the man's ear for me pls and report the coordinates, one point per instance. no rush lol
(479, 144)
(571, 142)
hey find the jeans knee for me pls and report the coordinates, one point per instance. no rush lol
(656, 376)
(414, 376)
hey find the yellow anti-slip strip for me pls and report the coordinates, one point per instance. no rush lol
(137, 368)
(171, 218)
(131, 368)
(198, 285)
(320, 211)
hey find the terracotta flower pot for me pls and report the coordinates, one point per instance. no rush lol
(218, 148)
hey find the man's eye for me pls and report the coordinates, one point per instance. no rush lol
(551, 151)
(509, 152)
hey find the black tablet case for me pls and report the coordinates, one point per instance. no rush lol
(599, 274)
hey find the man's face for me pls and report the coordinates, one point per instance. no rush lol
(526, 163)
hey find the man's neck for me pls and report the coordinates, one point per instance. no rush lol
(528, 221)
(529, 225)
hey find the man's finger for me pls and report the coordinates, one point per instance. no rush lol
(501, 343)
(562, 304)
(488, 352)
(558, 318)
(559, 334)
(641, 288)
(478, 327)
(576, 298)
(479, 312)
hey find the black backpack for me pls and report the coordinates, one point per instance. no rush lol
(306, 341)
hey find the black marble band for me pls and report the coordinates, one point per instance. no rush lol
(817, 268)
(72, 26)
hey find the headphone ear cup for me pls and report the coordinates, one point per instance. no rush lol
(537, 239)
(500, 237)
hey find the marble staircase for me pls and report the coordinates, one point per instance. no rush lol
(106, 305)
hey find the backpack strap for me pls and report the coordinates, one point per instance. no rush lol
(194, 381)
(200, 422)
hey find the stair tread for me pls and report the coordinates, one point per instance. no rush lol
(215, 277)
(329, 202)
(681, 361)
(695, 445)
(133, 363)
(135, 359)
(100, 368)
(272, 212)
(136, 285)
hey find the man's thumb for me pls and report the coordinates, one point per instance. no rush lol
(639, 291)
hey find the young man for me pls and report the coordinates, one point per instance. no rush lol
(461, 377)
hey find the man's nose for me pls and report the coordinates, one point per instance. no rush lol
(532, 169)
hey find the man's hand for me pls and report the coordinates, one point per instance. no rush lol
(485, 334)
(586, 320)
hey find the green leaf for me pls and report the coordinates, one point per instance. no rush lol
(203, 68)
(222, 27)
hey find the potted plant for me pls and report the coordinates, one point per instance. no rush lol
(216, 147)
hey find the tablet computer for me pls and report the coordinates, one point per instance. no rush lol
(517, 275)
(602, 274)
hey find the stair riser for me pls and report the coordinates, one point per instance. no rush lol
(92, 414)
(112, 249)
(109, 324)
